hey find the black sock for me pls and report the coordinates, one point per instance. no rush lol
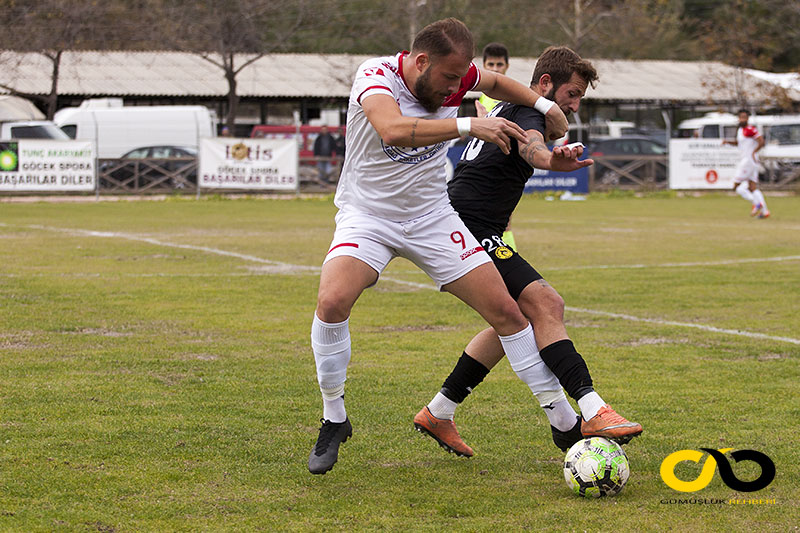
(569, 367)
(466, 375)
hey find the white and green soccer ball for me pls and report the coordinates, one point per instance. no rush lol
(596, 467)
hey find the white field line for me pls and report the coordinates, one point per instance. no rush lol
(686, 264)
(290, 267)
(702, 327)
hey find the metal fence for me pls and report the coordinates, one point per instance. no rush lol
(162, 175)
(651, 172)
(643, 172)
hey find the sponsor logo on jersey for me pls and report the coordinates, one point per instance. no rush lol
(471, 252)
(373, 71)
(503, 252)
(412, 156)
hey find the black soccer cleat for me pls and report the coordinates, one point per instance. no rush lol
(326, 450)
(565, 439)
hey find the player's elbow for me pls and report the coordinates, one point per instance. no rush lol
(396, 134)
(392, 137)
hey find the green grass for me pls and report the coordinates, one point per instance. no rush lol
(147, 387)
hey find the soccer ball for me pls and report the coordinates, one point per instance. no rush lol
(596, 467)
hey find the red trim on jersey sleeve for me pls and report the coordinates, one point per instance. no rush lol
(374, 87)
(468, 83)
(750, 131)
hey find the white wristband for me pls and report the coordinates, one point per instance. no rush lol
(463, 124)
(543, 105)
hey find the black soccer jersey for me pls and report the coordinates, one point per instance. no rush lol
(487, 184)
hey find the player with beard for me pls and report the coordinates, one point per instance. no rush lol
(392, 200)
(485, 189)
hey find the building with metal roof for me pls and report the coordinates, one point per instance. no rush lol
(277, 82)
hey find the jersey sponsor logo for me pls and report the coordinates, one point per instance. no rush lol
(373, 71)
(473, 251)
(503, 252)
(412, 155)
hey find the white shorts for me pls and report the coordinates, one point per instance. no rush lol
(746, 170)
(439, 243)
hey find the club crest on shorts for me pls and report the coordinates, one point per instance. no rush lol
(503, 252)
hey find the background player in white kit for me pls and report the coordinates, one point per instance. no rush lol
(392, 200)
(745, 183)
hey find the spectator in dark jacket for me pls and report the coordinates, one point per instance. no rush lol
(324, 149)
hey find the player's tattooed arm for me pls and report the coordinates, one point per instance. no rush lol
(535, 152)
(561, 159)
(414, 131)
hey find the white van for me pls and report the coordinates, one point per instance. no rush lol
(31, 129)
(781, 132)
(20, 119)
(118, 130)
(610, 129)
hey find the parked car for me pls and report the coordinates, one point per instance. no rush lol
(621, 151)
(119, 129)
(154, 170)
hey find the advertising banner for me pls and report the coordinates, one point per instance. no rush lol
(540, 180)
(47, 165)
(701, 164)
(265, 164)
(576, 181)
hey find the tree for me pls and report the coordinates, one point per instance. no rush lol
(749, 34)
(50, 28)
(230, 35)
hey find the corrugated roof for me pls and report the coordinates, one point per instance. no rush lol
(169, 74)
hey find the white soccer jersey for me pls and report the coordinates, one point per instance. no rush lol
(393, 182)
(747, 141)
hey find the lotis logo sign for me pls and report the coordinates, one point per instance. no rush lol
(9, 157)
(717, 458)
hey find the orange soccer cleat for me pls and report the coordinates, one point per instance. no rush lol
(443, 431)
(607, 423)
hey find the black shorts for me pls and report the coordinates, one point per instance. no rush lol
(516, 271)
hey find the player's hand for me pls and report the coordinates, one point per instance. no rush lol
(556, 124)
(565, 158)
(498, 131)
(480, 109)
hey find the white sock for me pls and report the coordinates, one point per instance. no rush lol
(590, 404)
(331, 345)
(758, 198)
(442, 407)
(561, 415)
(333, 410)
(523, 355)
(743, 190)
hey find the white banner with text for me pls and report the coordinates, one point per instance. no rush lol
(701, 164)
(47, 165)
(266, 164)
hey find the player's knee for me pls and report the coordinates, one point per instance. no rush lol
(542, 304)
(553, 305)
(507, 317)
(332, 306)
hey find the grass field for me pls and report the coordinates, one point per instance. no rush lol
(156, 371)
